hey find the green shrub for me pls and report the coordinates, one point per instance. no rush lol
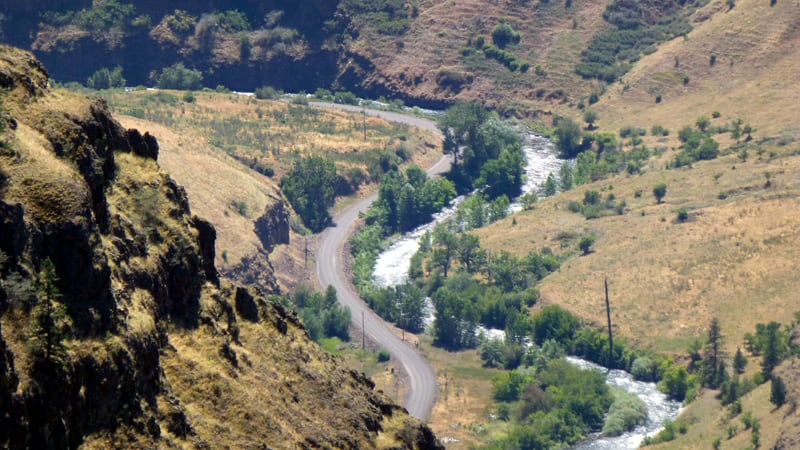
(585, 244)
(658, 130)
(309, 187)
(591, 197)
(240, 207)
(569, 137)
(502, 56)
(233, 21)
(675, 380)
(106, 79)
(593, 211)
(643, 369)
(179, 77)
(390, 17)
(735, 408)
(507, 386)
(632, 132)
(748, 420)
(453, 79)
(659, 191)
(383, 355)
(345, 98)
(503, 34)
(634, 29)
(267, 93)
(627, 411)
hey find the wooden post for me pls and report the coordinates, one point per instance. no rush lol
(610, 335)
(363, 332)
(445, 387)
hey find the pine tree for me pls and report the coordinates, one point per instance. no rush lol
(777, 392)
(771, 346)
(713, 371)
(48, 318)
(739, 361)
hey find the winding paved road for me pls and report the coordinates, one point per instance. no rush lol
(330, 271)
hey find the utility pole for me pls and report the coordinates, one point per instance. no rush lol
(363, 333)
(305, 263)
(364, 106)
(610, 335)
(402, 324)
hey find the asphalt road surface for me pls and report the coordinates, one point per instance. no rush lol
(422, 389)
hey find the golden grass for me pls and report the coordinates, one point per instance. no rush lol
(216, 183)
(708, 420)
(464, 407)
(141, 313)
(51, 187)
(213, 181)
(284, 389)
(754, 77)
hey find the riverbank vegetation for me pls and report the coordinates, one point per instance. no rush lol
(611, 158)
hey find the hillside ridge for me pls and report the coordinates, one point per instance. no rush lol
(143, 345)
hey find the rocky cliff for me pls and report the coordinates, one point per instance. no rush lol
(115, 328)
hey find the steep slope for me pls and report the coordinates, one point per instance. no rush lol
(428, 52)
(116, 330)
(752, 76)
(437, 60)
(229, 152)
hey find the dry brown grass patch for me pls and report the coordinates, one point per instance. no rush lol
(753, 78)
(732, 260)
(232, 196)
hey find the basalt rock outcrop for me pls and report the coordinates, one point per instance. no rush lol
(272, 228)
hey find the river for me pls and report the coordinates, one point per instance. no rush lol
(391, 269)
(392, 266)
(659, 409)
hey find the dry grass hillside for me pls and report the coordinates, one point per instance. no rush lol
(552, 37)
(733, 259)
(753, 77)
(215, 146)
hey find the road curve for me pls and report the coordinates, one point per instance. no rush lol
(422, 389)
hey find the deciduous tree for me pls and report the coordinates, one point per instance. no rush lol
(446, 248)
(568, 137)
(659, 191)
(309, 188)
